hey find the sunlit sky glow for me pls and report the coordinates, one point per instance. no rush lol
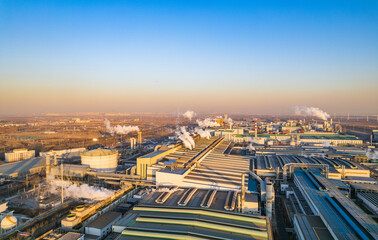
(227, 56)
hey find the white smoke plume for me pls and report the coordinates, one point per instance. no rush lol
(251, 147)
(255, 141)
(311, 112)
(120, 129)
(189, 114)
(371, 154)
(202, 133)
(326, 144)
(79, 191)
(208, 122)
(228, 121)
(185, 137)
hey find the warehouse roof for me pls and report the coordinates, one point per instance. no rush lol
(365, 187)
(153, 154)
(178, 223)
(104, 220)
(339, 213)
(20, 167)
(71, 236)
(371, 197)
(312, 227)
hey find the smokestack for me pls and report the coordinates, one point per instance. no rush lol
(140, 138)
(132, 143)
(256, 129)
(348, 116)
(269, 198)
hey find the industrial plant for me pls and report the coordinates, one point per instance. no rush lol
(209, 177)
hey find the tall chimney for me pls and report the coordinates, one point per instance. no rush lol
(256, 129)
(132, 143)
(140, 138)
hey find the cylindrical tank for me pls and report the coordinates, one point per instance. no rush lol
(71, 217)
(269, 189)
(80, 208)
(269, 208)
(101, 160)
(8, 222)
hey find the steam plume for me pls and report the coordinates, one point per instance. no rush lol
(202, 133)
(251, 147)
(371, 154)
(208, 122)
(311, 111)
(76, 191)
(189, 114)
(120, 129)
(185, 137)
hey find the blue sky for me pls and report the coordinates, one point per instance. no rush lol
(226, 56)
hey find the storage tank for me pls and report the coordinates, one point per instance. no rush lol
(8, 222)
(100, 160)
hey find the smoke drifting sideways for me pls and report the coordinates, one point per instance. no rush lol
(185, 137)
(311, 112)
(120, 129)
(202, 133)
(189, 114)
(208, 122)
(83, 191)
(251, 147)
(371, 154)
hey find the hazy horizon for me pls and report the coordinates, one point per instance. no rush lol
(253, 57)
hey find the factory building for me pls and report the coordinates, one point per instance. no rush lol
(102, 226)
(191, 213)
(15, 169)
(70, 170)
(274, 166)
(343, 219)
(100, 160)
(19, 155)
(310, 227)
(72, 236)
(133, 143)
(309, 138)
(65, 153)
